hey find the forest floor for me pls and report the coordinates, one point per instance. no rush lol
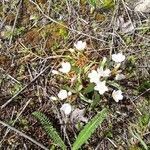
(36, 36)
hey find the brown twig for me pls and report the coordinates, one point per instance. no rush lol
(26, 86)
(23, 135)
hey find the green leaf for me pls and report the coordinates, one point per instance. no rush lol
(89, 88)
(50, 130)
(89, 129)
(108, 4)
(114, 84)
(93, 2)
(96, 99)
(84, 98)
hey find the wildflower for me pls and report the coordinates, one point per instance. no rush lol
(120, 77)
(94, 76)
(80, 45)
(65, 67)
(55, 72)
(66, 108)
(118, 58)
(63, 94)
(117, 95)
(103, 73)
(101, 87)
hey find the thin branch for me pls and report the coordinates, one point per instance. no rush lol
(7, 131)
(73, 30)
(26, 86)
(15, 21)
(23, 135)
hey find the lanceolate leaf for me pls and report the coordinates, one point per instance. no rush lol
(50, 130)
(89, 129)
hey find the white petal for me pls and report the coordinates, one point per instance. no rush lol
(120, 77)
(66, 108)
(63, 94)
(101, 87)
(117, 95)
(80, 45)
(94, 76)
(106, 73)
(103, 73)
(118, 58)
(65, 67)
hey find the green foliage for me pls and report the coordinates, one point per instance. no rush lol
(144, 120)
(83, 136)
(96, 99)
(17, 87)
(89, 129)
(144, 86)
(50, 130)
(89, 88)
(106, 4)
(93, 2)
(137, 136)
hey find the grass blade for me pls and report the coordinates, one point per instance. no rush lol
(89, 129)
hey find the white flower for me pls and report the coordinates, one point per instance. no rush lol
(120, 77)
(94, 76)
(117, 95)
(101, 87)
(63, 94)
(65, 67)
(53, 98)
(66, 108)
(103, 73)
(55, 72)
(118, 58)
(80, 45)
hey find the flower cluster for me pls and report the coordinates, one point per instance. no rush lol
(97, 76)
(62, 95)
(100, 75)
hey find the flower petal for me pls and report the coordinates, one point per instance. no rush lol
(66, 108)
(118, 58)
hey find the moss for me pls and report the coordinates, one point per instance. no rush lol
(51, 33)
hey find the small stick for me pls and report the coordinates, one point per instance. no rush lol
(7, 131)
(5, 104)
(73, 30)
(15, 21)
(23, 135)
